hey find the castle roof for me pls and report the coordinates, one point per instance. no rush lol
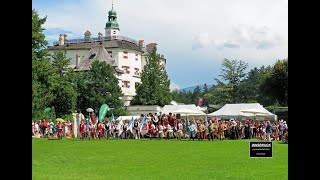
(121, 44)
(97, 53)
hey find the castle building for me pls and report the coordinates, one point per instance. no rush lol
(126, 55)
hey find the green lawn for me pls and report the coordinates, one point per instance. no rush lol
(145, 159)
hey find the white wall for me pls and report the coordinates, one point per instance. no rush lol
(132, 63)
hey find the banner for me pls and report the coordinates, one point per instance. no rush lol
(103, 111)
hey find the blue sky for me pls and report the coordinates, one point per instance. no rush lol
(194, 36)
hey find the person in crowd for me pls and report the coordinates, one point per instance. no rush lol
(268, 130)
(246, 130)
(168, 131)
(55, 130)
(170, 120)
(192, 129)
(99, 130)
(33, 128)
(60, 129)
(180, 130)
(160, 130)
(151, 129)
(82, 130)
(107, 129)
(44, 126)
(124, 130)
(115, 130)
(221, 130)
(135, 128)
(155, 119)
(202, 130)
(211, 129)
(91, 131)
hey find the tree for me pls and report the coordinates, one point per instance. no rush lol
(64, 91)
(42, 88)
(232, 72)
(276, 84)
(205, 88)
(155, 85)
(164, 87)
(102, 87)
(196, 95)
(249, 88)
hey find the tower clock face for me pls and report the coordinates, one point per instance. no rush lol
(108, 31)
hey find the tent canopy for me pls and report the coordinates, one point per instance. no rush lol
(127, 117)
(189, 109)
(235, 110)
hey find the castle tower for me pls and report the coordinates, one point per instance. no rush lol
(112, 26)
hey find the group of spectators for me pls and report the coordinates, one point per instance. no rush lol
(165, 126)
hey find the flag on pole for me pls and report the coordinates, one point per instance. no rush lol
(111, 120)
(143, 126)
(200, 101)
(142, 122)
(187, 130)
(130, 125)
(119, 127)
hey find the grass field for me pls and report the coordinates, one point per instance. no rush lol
(145, 159)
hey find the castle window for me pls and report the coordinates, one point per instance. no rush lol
(110, 54)
(126, 84)
(92, 56)
(126, 69)
(125, 54)
(136, 72)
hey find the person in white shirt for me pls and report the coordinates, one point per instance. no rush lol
(36, 130)
(192, 128)
(169, 131)
(160, 131)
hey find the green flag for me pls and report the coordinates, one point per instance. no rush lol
(103, 111)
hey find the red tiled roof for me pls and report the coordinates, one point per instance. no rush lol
(152, 44)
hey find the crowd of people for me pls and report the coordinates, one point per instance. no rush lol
(163, 126)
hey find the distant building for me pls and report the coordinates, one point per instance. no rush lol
(126, 55)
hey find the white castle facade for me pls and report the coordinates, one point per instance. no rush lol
(126, 55)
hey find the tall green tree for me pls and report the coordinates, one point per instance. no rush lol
(232, 73)
(196, 95)
(64, 91)
(276, 84)
(42, 88)
(102, 87)
(164, 86)
(155, 86)
(205, 88)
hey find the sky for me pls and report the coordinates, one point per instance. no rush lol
(194, 36)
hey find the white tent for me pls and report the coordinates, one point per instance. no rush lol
(127, 117)
(189, 109)
(235, 110)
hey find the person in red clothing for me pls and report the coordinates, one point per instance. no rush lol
(99, 129)
(44, 126)
(82, 129)
(60, 129)
(91, 131)
(93, 118)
